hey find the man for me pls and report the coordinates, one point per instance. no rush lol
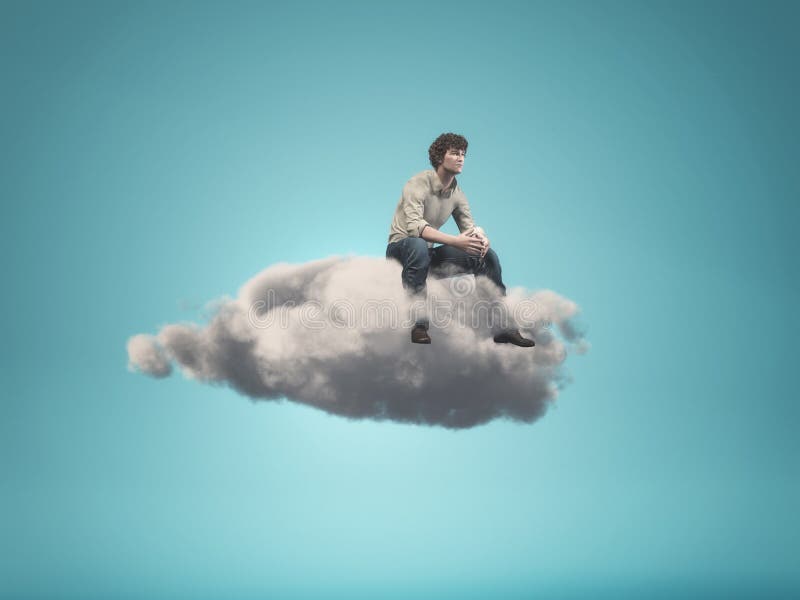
(428, 200)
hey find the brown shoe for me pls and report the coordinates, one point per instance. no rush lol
(419, 335)
(513, 336)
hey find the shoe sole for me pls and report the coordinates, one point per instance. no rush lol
(513, 344)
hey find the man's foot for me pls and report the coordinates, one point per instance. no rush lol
(419, 335)
(513, 336)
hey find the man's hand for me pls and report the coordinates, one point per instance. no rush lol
(473, 241)
(470, 244)
(477, 232)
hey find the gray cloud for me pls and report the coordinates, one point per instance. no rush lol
(334, 334)
(147, 355)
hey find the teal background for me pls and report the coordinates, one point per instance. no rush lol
(638, 158)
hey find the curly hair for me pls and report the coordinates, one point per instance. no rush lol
(442, 144)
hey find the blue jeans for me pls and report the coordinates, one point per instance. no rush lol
(443, 261)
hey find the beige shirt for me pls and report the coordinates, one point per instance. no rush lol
(426, 202)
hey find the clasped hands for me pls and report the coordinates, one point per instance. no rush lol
(474, 241)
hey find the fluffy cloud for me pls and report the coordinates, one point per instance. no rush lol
(334, 334)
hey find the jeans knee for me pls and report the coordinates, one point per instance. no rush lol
(417, 252)
(491, 258)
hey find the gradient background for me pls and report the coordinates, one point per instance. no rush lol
(639, 158)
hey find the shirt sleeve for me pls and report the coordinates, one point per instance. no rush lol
(414, 209)
(462, 215)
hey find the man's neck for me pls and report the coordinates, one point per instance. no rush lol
(445, 176)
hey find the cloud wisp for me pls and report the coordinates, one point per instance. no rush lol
(334, 334)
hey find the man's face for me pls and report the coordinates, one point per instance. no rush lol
(453, 160)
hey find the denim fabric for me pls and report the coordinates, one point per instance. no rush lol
(442, 261)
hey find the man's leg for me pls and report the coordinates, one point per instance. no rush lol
(413, 254)
(490, 267)
(447, 261)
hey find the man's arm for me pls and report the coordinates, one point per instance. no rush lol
(466, 224)
(464, 241)
(413, 204)
(463, 215)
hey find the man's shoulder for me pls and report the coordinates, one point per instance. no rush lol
(421, 179)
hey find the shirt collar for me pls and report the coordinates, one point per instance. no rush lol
(436, 184)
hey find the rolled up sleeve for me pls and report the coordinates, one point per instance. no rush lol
(414, 210)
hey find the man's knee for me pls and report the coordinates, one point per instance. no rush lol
(491, 258)
(416, 253)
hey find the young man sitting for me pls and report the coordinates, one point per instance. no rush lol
(428, 200)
